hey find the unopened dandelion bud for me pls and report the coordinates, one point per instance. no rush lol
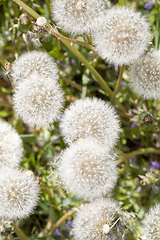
(41, 21)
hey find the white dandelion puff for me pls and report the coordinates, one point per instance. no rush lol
(145, 76)
(90, 117)
(151, 224)
(19, 194)
(37, 62)
(97, 220)
(121, 35)
(87, 170)
(77, 16)
(38, 100)
(11, 149)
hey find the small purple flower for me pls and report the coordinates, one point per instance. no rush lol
(70, 233)
(69, 224)
(73, 61)
(57, 232)
(59, 116)
(60, 63)
(54, 139)
(155, 164)
(123, 83)
(149, 168)
(156, 187)
(116, 67)
(139, 189)
(133, 125)
(133, 160)
(148, 5)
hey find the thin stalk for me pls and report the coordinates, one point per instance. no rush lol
(121, 2)
(74, 84)
(141, 151)
(60, 36)
(19, 232)
(61, 220)
(117, 85)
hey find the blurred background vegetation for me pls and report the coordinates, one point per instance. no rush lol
(138, 187)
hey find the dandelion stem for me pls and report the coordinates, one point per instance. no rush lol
(142, 151)
(60, 36)
(61, 220)
(121, 2)
(93, 71)
(117, 85)
(74, 84)
(19, 232)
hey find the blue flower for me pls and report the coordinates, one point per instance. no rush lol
(57, 232)
(148, 5)
(69, 224)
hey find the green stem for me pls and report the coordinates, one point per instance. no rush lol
(77, 54)
(117, 85)
(19, 232)
(121, 2)
(60, 36)
(142, 151)
(61, 220)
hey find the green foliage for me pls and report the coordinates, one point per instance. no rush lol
(138, 187)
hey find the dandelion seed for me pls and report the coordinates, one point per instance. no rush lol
(11, 149)
(90, 117)
(87, 170)
(38, 100)
(77, 16)
(151, 224)
(145, 76)
(37, 62)
(19, 194)
(121, 36)
(95, 221)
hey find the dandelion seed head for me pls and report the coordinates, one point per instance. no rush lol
(94, 220)
(38, 100)
(121, 35)
(19, 194)
(151, 224)
(90, 117)
(145, 75)
(11, 148)
(77, 16)
(88, 165)
(37, 62)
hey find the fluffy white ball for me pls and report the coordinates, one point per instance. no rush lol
(77, 16)
(90, 117)
(94, 220)
(145, 76)
(151, 223)
(11, 148)
(19, 194)
(38, 100)
(87, 170)
(121, 35)
(34, 62)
